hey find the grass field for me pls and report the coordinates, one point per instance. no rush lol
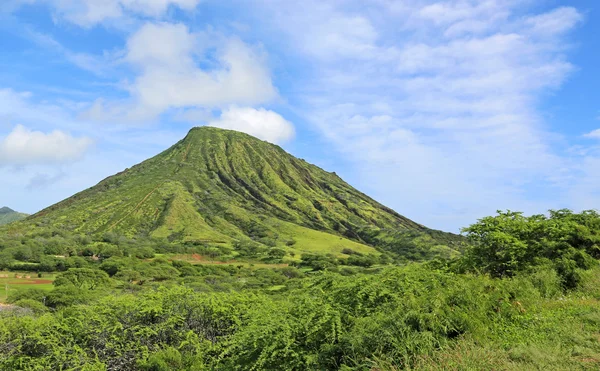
(10, 281)
(199, 259)
(317, 242)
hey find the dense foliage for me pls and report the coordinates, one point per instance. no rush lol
(398, 317)
(509, 243)
(525, 295)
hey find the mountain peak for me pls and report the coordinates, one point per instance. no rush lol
(8, 215)
(220, 186)
(6, 210)
(214, 130)
(214, 133)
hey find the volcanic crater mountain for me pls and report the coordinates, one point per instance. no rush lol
(219, 186)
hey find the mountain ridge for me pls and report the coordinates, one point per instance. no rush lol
(220, 186)
(8, 215)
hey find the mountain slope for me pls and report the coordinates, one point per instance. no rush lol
(8, 215)
(219, 186)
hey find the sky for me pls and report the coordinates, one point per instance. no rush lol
(445, 111)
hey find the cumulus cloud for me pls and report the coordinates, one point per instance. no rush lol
(27, 147)
(87, 13)
(261, 123)
(168, 57)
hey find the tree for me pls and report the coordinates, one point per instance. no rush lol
(107, 250)
(318, 262)
(509, 242)
(83, 278)
(276, 253)
(361, 261)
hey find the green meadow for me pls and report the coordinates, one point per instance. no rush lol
(13, 281)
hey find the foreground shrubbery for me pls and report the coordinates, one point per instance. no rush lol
(509, 243)
(399, 318)
(525, 295)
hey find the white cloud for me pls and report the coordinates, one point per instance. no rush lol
(24, 172)
(261, 123)
(437, 102)
(556, 21)
(167, 58)
(323, 32)
(157, 7)
(87, 13)
(98, 64)
(21, 107)
(161, 45)
(26, 147)
(595, 134)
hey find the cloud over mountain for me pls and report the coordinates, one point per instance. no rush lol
(261, 123)
(177, 68)
(23, 146)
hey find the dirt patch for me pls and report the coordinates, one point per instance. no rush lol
(6, 307)
(30, 282)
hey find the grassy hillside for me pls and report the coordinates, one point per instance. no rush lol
(8, 215)
(218, 186)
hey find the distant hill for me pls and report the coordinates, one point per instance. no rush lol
(8, 215)
(220, 186)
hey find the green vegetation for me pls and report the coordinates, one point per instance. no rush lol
(226, 253)
(510, 243)
(8, 215)
(15, 281)
(222, 188)
(525, 295)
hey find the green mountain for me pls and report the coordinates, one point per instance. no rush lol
(221, 187)
(8, 215)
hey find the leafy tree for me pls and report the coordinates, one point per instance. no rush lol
(249, 249)
(67, 295)
(106, 250)
(83, 278)
(361, 260)
(291, 272)
(318, 262)
(276, 254)
(509, 242)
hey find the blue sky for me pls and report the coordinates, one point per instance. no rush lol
(443, 110)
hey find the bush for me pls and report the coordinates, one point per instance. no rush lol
(318, 262)
(276, 254)
(545, 280)
(361, 261)
(509, 242)
(27, 294)
(34, 305)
